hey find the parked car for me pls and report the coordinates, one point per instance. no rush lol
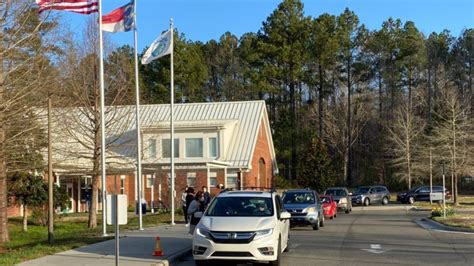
(305, 207)
(370, 195)
(329, 206)
(421, 193)
(342, 197)
(243, 226)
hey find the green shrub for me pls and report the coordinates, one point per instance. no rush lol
(438, 211)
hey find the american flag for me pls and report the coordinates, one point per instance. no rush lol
(77, 6)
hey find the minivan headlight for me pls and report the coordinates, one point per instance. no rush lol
(310, 209)
(263, 233)
(343, 200)
(203, 232)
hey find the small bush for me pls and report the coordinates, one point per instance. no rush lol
(438, 211)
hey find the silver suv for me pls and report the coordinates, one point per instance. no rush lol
(305, 207)
(370, 195)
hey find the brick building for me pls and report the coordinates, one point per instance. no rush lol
(226, 143)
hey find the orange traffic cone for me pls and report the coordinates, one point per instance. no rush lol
(158, 251)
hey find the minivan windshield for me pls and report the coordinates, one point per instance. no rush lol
(241, 206)
(298, 198)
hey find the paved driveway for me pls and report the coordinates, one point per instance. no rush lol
(375, 235)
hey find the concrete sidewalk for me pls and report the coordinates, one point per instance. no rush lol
(136, 249)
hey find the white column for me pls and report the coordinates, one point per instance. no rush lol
(152, 192)
(208, 177)
(225, 177)
(79, 195)
(57, 181)
(136, 185)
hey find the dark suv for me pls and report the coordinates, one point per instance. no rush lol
(370, 195)
(421, 193)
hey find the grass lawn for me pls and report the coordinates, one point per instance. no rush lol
(457, 220)
(69, 232)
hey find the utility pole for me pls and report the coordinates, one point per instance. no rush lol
(50, 179)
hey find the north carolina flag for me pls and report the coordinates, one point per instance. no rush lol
(121, 19)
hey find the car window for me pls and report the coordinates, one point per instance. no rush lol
(336, 192)
(424, 190)
(325, 200)
(362, 190)
(299, 198)
(241, 206)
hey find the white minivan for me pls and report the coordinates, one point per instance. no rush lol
(242, 225)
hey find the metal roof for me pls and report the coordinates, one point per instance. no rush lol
(246, 117)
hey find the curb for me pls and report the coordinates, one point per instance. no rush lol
(432, 225)
(177, 255)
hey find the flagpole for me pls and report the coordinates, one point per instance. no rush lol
(137, 120)
(172, 126)
(102, 123)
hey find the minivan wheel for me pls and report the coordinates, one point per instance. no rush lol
(277, 262)
(384, 201)
(347, 210)
(316, 225)
(366, 202)
(411, 200)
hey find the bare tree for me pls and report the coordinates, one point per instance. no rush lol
(405, 134)
(80, 122)
(453, 133)
(25, 68)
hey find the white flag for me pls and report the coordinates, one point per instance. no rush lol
(159, 48)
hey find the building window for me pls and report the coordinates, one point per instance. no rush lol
(232, 180)
(149, 181)
(191, 180)
(152, 148)
(166, 148)
(213, 179)
(194, 147)
(213, 147)
(122, 184)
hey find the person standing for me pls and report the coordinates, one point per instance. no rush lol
(183, 204)
(206, 196)
(188, 200)
(195, 206)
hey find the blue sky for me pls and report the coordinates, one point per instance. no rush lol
(208, 19)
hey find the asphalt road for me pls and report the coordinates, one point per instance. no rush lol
(375, 235)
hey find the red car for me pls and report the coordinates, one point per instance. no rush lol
(329, 206)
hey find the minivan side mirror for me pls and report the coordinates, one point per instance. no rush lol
(350, 193)
(285, 215)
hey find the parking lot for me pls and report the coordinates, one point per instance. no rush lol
(375, 235)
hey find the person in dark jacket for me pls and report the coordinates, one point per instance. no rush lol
(207, 196)
(189, 198)
(183, 204)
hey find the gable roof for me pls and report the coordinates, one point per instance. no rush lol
(246, 115)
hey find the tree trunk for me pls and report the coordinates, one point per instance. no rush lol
(294, 159)
(25, 218)
(430, 92)
(3, 176)
(380, 96)
(320, 102)
(349, 135)
(96, 163)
